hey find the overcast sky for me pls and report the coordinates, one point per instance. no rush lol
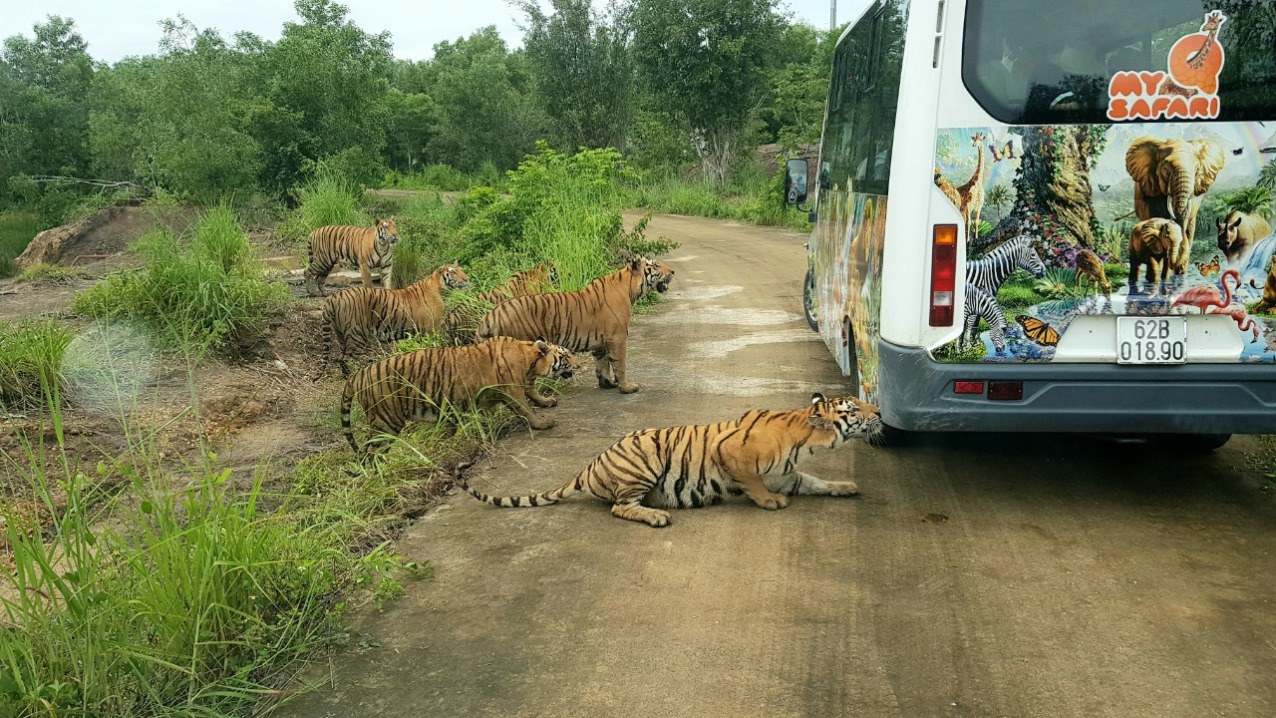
(131, 27)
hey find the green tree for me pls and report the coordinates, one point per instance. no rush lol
(706, 60)
(1267, 178)
(584, 72)
(178, 120)
(483, 93)
(999, 198)
(325, 84)
(44, 82)
(1252, 200)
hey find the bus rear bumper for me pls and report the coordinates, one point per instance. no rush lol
(918, 394)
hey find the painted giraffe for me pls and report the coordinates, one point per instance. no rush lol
(972, 193)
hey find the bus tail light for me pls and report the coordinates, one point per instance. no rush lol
(943, 275)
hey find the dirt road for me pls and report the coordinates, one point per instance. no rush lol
(976, 576)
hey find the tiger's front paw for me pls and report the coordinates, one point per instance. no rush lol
(628, 388)
(540, 423)
(771, 502)
(545, 402)
(605, 383)
(843, 488)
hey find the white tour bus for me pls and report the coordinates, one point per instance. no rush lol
(1052, 215)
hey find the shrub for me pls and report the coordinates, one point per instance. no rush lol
(204, 291)
(31, 355)
(17, 229)
(326, 199)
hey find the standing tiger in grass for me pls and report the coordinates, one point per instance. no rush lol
(463, 318)
(367, 248)
(694, 466)
(593, 319)
(415, 385)
(358, 317)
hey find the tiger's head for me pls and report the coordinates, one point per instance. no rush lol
(656, 275)
(554, 361)
(454, 277)
(847, 417)
(387, 232)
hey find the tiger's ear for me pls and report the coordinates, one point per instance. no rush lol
(816, 398)
(542, 347)
(636, 263)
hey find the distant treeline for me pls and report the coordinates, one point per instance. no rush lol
(668, 82)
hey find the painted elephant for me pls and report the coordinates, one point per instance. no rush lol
(1169, 178)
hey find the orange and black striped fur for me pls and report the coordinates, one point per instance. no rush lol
(463, 318)
(367, 248)
(594, 319)
(358, 317)
(415, 385)
(693, 466)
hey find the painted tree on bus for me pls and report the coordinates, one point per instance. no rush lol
(1053, 196)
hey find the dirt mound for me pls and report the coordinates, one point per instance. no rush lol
(101, 235)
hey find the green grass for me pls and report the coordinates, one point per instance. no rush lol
(326, 199)
(750, 196)
(17, 229)
(31, 354)
(195, 292)
(170, 594)
(47, 273)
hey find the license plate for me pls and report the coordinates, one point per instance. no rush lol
(1151, 340)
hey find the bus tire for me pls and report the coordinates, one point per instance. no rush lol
(808, 301)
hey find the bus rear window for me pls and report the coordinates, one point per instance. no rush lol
(1099, 61)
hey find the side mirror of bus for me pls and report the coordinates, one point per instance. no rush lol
(795, 181)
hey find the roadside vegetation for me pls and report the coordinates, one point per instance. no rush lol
(146, 580)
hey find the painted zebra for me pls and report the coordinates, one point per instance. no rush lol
(982, 305)
(989, 272)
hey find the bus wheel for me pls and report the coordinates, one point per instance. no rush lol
(808, 301)
(1191, 443)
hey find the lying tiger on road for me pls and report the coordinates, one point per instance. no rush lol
(695, 466)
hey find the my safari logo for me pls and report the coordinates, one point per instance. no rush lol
(1189, 91)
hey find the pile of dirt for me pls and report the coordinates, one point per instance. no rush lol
(99, 236)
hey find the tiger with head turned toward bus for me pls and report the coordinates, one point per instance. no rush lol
(693, 466)
(367, 248)
(594, 319)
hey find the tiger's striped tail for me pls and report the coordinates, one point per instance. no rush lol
(347, 395)
(549, 497)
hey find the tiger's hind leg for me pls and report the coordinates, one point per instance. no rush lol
(603, 370)
(799, 483)
(628, 505)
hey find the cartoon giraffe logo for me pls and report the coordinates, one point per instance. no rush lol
(1188, 91)
(1196, 60)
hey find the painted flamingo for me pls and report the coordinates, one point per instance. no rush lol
(1207, 299)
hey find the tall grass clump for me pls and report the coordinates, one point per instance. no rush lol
(325, 199)
(197, 291)
(178, 596)
(17, 229)
(31, 355)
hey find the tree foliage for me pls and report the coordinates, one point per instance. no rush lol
(706, 59)
(210, 114)
(584, 72)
